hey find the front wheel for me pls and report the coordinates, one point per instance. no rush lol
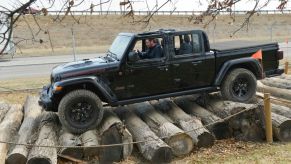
(80, 110)
(239, 85)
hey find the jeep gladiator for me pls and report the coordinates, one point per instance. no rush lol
(79, 90)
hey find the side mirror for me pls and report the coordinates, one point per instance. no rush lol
(133, 56)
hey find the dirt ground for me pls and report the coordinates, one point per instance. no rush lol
(95, 33)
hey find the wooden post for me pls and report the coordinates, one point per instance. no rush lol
(286, 67)
(268, 118)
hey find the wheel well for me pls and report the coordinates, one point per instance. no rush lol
(245, 66)
(87, 86)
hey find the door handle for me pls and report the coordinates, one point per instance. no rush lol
(163, 68)
(196, 62)
(176, 65)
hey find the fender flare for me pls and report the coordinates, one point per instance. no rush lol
(94, 80)
(252, 64)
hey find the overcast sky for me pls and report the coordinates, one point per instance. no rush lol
(179, 5)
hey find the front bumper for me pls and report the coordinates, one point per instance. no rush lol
(46, 98)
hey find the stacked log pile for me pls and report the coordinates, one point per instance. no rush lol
(192, 125)
(180, 142)
(279, 86)
(244, 126)
(218, 128)
(161, 129)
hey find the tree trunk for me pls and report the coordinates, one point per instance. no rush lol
(155, 150)
(281, 127)
(180, 142)
(246, 125)
(8, 127)
(47, 136)
(90, 138)
(32, 112)
(277, 101)
(217, 127)
(112, 131)
(276, 92)
(68, 139)
(3, 110)
(277, 82)
(201, 136)
(284, 76)
(281, 110)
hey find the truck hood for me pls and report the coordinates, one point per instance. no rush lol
(93, 66)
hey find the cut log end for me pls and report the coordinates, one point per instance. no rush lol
(39, 160)
(73, 152)
(205, 140)
(16, 158)
(221, 130)
(181, 144)
(162, 155)
(285, 131)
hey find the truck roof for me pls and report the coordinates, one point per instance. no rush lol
(157, 32)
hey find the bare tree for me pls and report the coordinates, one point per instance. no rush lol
(9, 17)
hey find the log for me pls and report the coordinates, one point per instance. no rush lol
(246, 125)
(277, 82)
(155, 150)
(284, 76)
(219, 128)
(281, 110)
(47, 136)
(32, 112)
(276, 92)
(201, 136)
(113, 131)
(180, 142)
(90, 138)
(3, 110)
(68, 139)
(274, 100)
(8, 128)
(281, 127)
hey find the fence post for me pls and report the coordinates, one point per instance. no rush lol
(268, 118)
(286, 67)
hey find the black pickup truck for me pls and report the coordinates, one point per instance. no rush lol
(186, 64)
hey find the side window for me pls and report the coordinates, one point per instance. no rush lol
(196, 43)
(147, 49)
(187, 44)
(183, 44)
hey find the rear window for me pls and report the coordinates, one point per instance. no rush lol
(187, 44)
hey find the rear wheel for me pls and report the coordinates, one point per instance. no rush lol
(80, 110)
(239, 85)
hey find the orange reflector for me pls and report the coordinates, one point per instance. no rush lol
(58, 88)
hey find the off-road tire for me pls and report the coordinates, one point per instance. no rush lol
(231, 81)
(71, 102)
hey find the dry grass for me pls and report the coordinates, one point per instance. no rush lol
(95, 33)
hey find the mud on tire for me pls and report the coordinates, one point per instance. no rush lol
(80, 110)
(239, 85)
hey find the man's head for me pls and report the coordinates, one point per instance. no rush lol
(150, 42)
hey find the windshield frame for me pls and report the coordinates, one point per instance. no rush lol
(119, 55)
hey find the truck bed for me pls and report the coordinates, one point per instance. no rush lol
(225, 51)
(240, 44)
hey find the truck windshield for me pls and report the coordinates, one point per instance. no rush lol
(119, 45)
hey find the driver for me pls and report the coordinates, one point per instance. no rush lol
(154, 49)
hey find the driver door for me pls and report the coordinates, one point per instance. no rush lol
(146, 77)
